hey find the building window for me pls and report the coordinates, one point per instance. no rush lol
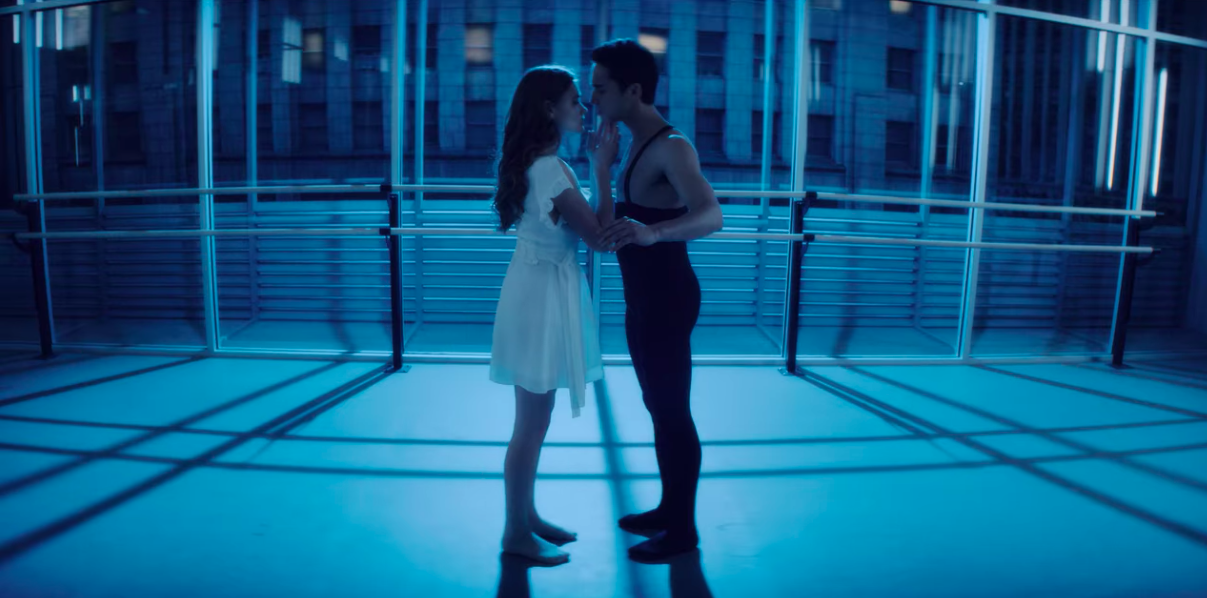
(366, 47)
(123, 63)
(710, 54)
(943, 147)
(822, 57)
(760, 40)
(821, 137)
(899, 145)
(656, 41)
(433, 43)
(900, 69)
(264, 128)
(367, 126)
(123, 131)
(312, 50)
(312, 127)
(479, 45)
(756, 134)
(76, 139)
(431, 124)
(588, 44)
(710, 132)
(538, 45)
(480, 125)
(756, 138)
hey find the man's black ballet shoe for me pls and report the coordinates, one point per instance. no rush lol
(664, 547)
(642, 524)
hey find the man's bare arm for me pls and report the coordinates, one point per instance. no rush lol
(682, 168)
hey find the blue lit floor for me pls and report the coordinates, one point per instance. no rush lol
(155, 476)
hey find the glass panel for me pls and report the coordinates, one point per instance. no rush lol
(317, 113)
(1110, 11)
(118, 99)
(1182, 17)
(118, 111)
(474, 55)
(18, 313)
(1061, 136)
(891, 114)
(126, 292)
(714, 85)
(1168, 308)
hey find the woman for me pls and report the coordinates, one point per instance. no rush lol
(545, 334)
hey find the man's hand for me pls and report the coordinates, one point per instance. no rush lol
(625, 231)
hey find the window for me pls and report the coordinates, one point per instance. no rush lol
(710, 54)
(900, 69)
(480, 125)
(123, 63)
(366, 47)
(264, 51)
(898, 145)
(756, 138)
(367, 132)
(432, 44)
(710, 132)
(264, 128)
(123, 131)
(312, 50)
(588, 44)
(823, 61)
(760, 40)
(431, 125)
(312, 127)
(960, 160)
(821, 137)
(479, 45)
(655, 40)
(538, 45)
(76, 139)
(756, 134)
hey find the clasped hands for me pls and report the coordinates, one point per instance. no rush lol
(626, 231)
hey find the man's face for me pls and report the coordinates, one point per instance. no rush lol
(606, 94)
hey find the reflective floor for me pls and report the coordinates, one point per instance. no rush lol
(159, 476)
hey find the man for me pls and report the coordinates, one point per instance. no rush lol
(666, 202)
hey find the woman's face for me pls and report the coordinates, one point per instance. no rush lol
(569, 111)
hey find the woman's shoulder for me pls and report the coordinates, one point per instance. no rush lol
(545, 161)
(548, 165)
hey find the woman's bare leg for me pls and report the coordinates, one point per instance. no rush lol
(532, 416)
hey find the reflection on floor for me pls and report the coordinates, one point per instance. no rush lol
(162, 476)
(814, 340)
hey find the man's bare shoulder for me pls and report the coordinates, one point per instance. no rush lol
(676, 149)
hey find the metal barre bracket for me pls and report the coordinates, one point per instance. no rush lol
(386, 188)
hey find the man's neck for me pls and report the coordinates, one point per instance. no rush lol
(645, 122)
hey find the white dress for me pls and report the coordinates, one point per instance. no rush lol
(545, 333)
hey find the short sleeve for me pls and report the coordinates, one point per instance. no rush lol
(548, 181)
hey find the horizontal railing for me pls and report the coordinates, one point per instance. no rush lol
(487, 190)
(462, 232)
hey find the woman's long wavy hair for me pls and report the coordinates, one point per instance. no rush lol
(529, 131)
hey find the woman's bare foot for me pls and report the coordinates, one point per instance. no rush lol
(550, 532)
(531, 546)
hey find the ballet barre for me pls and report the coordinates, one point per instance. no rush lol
(489, 190)
(480, 232)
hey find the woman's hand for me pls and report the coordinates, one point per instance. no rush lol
(604, 143)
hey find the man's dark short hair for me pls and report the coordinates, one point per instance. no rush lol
(629, 62)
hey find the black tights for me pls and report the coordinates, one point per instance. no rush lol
(661, 349)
